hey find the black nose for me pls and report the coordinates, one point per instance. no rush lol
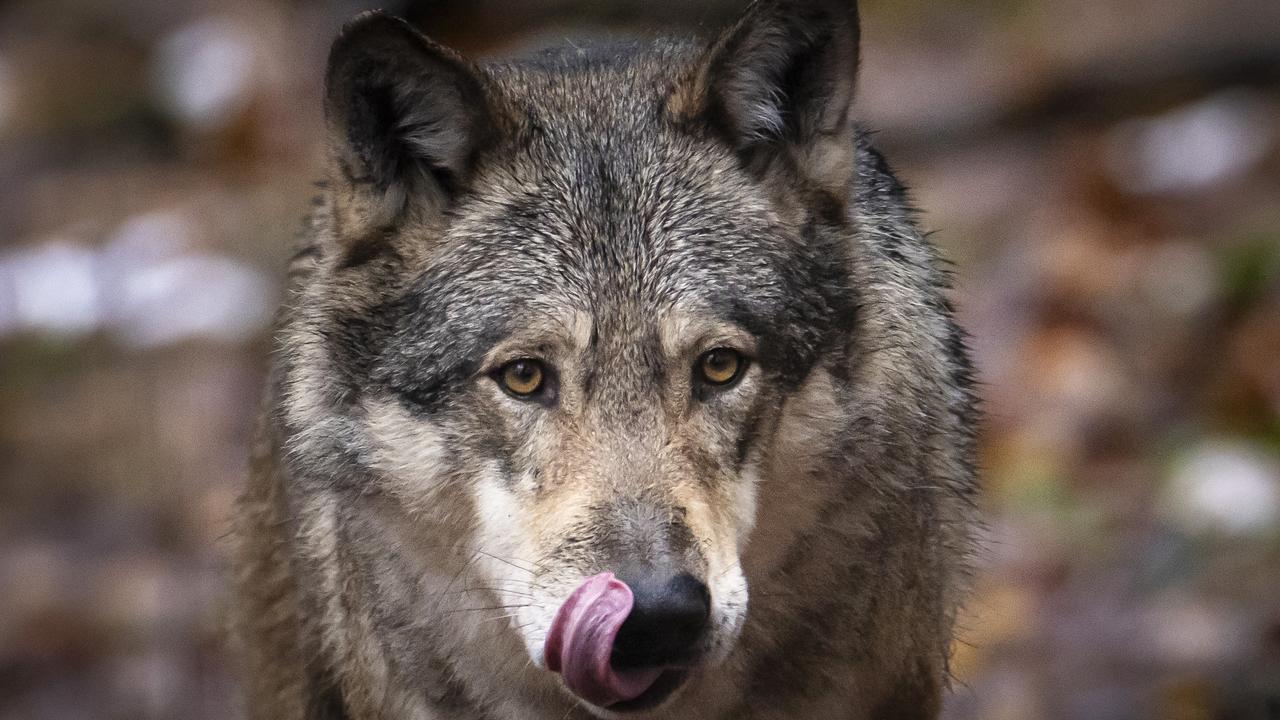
(666, 625)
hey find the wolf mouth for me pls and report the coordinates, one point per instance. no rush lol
(661, 689)
(581, 647)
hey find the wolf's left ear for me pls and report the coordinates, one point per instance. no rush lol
(779, 84)
(406, 119)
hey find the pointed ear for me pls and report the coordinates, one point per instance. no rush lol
(780, 83)
(406, 118)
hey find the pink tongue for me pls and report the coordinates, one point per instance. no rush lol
(581, 640)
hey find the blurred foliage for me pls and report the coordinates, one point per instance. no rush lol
(1251, 269)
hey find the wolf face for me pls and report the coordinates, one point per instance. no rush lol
(568, 329)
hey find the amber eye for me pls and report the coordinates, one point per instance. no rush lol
(720, 366)
(522, 378)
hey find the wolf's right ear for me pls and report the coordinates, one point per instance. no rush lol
(406, 118)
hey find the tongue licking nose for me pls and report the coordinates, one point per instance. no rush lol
(581, 642)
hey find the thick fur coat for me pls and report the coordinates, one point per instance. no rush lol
(604, 221)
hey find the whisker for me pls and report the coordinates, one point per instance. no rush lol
(480, 609)
(511, 562)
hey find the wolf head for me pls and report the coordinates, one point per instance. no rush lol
(556, 313)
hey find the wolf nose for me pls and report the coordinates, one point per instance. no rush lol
(666, 625)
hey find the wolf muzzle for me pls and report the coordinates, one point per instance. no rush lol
(628, 646)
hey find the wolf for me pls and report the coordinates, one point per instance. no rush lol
(611, 382)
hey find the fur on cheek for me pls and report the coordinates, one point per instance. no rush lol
(411, 458)
(506, 560)
(794, 468)
(498, 567)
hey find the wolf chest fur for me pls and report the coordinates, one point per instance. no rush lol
(614, 382)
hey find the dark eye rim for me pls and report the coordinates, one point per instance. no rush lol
(703, 381)
(544, 392)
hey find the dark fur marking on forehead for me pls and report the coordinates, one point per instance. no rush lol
(588, 55)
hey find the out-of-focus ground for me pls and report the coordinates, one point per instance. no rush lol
(1105, 175)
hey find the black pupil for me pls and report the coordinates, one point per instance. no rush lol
(524, 372)
(720, 362)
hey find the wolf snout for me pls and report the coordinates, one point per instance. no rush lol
(627, 646)
(669, 619)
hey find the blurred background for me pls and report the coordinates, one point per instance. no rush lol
(1105, 174)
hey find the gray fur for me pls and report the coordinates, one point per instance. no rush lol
(408, 529)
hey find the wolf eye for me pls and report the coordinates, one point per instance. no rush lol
(522, 378)
(720, 367)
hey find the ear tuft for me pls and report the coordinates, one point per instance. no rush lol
(406, 119)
